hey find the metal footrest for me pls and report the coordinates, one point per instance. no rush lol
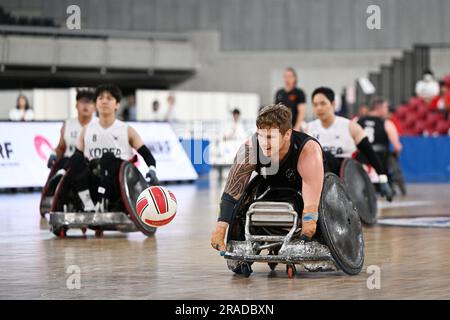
(94, 220)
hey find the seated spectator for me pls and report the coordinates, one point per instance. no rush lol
(428, 87)
(22, 111)
(171, 114)
(237, 131)
(442, 101)
(156, 114)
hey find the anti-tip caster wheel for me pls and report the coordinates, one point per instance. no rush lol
(291, 270)
(246, 270)
(60, 232)
(272, 265)
(98, 233)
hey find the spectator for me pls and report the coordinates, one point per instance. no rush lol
(428, 87)
(129, 112)
(22, 111)
(171, 115)
(237, 131)
(156, 114)
(342, 108)
(293, 98)
(442, 101)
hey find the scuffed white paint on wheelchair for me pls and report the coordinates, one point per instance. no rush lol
(104, 220)
(308, 256)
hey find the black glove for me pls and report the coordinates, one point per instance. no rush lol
(385, 188)
(151, 175)
(51, 160)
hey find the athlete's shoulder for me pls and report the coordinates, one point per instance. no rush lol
(313, 125)
(120, 124)
(71, 121)
(343, 120)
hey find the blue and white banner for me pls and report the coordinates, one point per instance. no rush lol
(26, 146)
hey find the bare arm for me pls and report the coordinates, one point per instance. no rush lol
(134, 138)
(80, 144)
(393, 136)
(310, 167)
(241, 170)
(357, 132)
(61, 147)
(300, 116)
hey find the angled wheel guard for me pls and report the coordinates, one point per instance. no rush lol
(92, 220)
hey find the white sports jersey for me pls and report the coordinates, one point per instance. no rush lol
(335, 139)
(98, 141)
(72, 129)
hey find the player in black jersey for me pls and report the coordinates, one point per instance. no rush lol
(381, 132)
(284, 157)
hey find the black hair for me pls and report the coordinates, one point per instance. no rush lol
(428, 71)
(27, 104)
(86, 94)
(111, 88)
(236, 111)
(327, 92)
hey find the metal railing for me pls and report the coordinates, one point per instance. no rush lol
(91, 33)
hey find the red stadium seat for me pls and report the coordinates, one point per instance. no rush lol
(414, 103)
(409, 132)
(434, 117)
(442, 127)
(410, 120)
(401, 112)
(419, 127)
(422, 112)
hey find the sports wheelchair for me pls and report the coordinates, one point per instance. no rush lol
(120, 214)
(266, 228)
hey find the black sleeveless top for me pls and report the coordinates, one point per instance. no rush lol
(374, 127)
(287, 174)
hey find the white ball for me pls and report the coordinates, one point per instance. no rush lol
(156, 206)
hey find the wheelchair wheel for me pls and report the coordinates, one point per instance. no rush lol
(132, 183)
(65, 197)
(60, 232)
(46, 195)
(397, 178)
(340, 226)
(361, 190)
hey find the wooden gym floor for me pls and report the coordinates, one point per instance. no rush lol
(178, 262)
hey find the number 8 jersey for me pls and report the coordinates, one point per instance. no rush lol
(98, 140)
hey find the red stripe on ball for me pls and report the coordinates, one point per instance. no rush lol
(141, 205)
(158, 223)
(160, 199)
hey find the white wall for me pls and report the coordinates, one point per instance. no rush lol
(197, 105)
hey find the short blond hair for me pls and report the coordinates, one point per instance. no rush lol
(275, 116)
